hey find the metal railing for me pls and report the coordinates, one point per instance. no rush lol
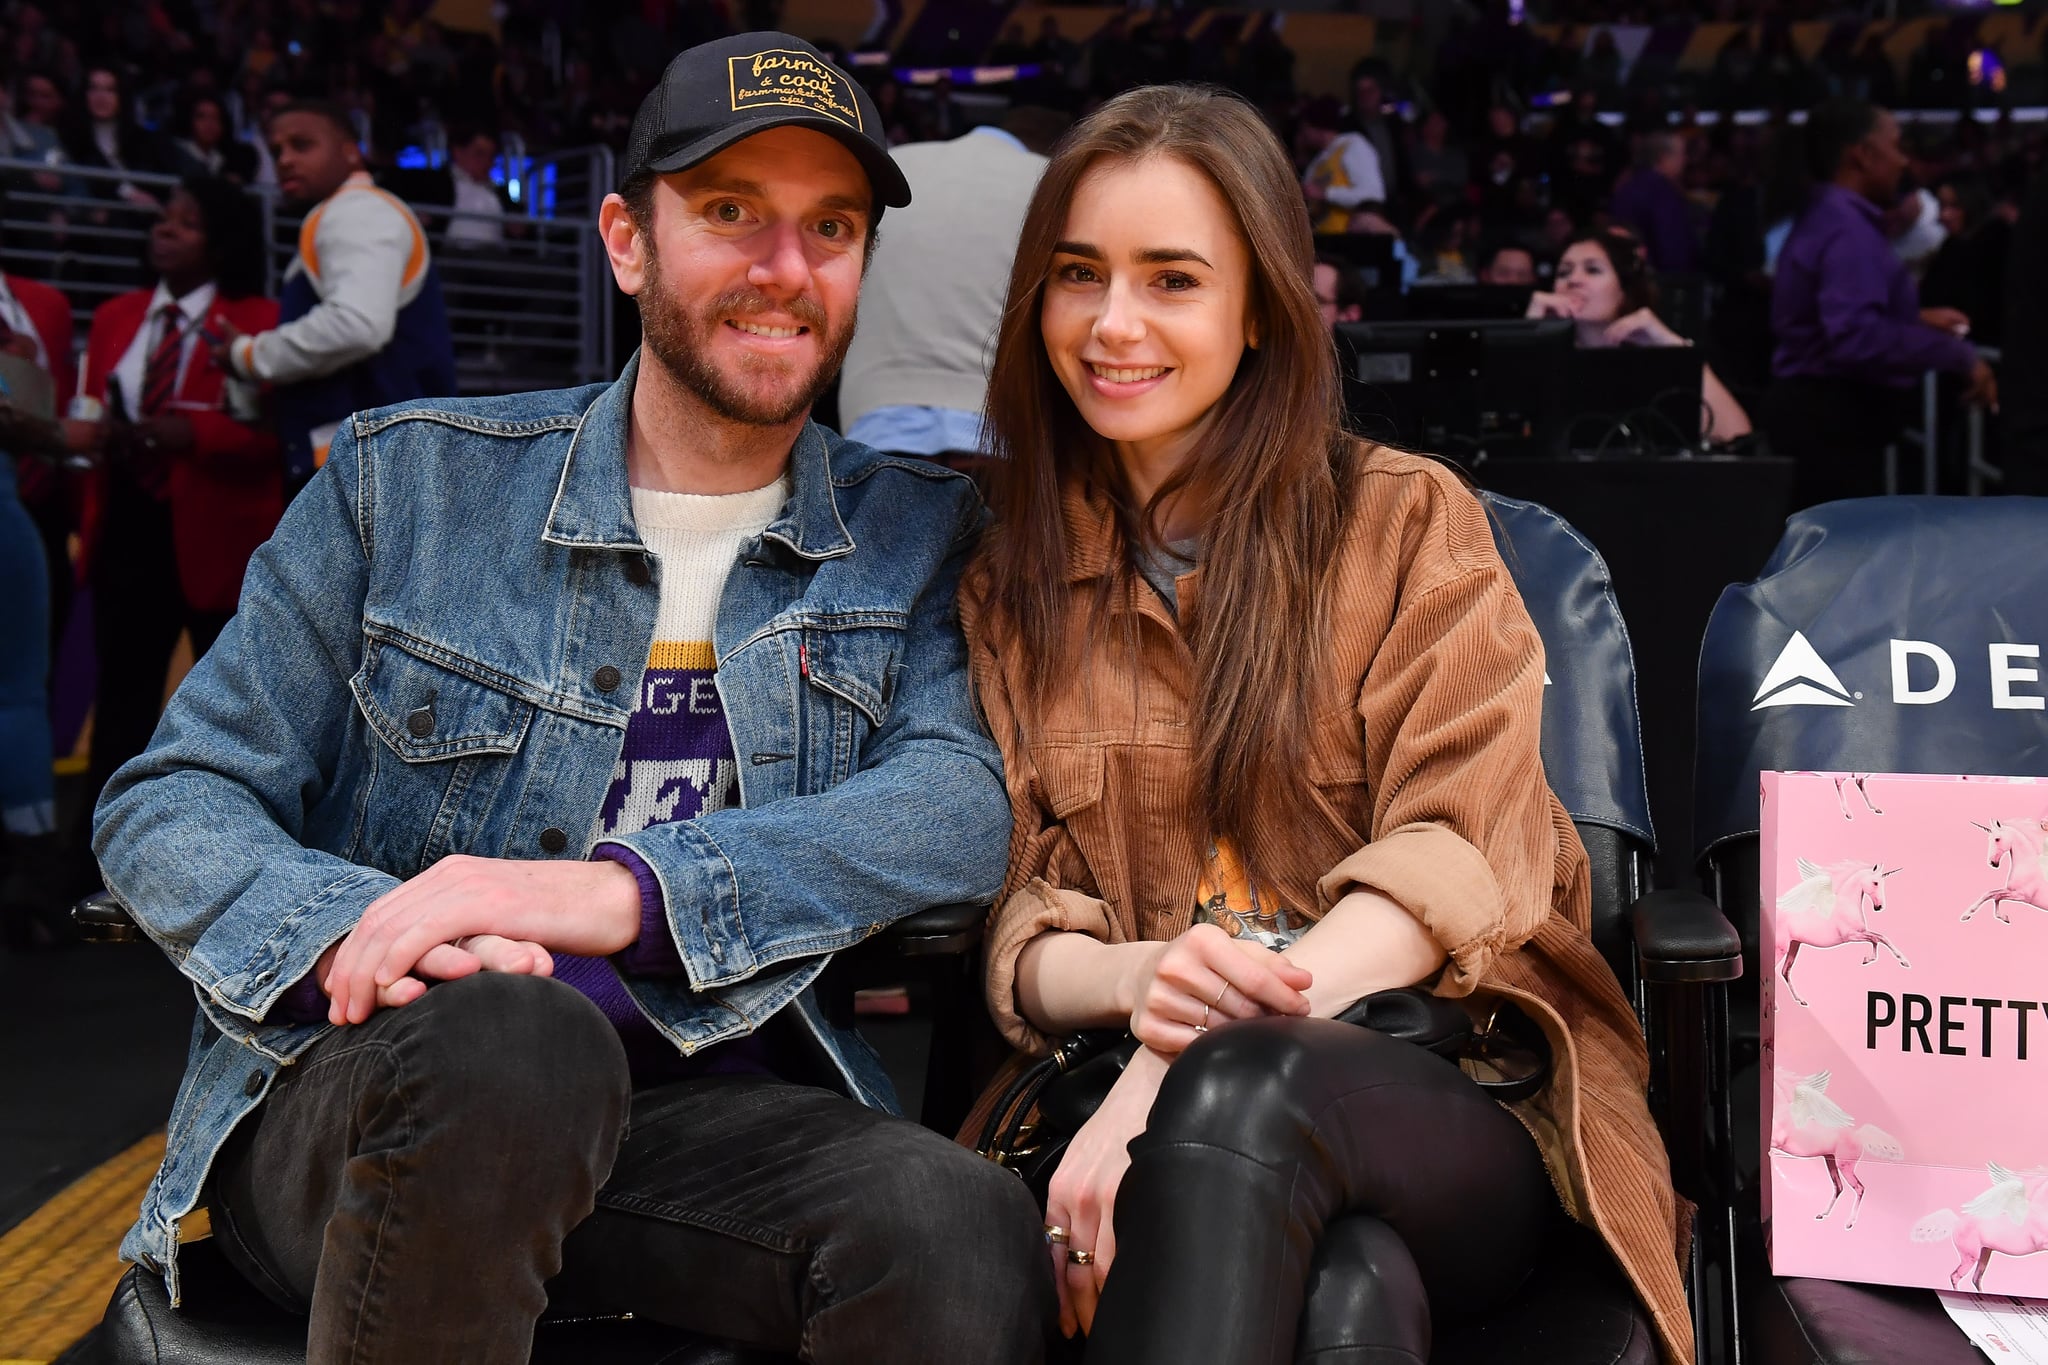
(1977, 471)
(531, 309)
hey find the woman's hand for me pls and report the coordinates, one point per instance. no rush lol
(1542, 305)
(1082, 1196)
(1640, 328)
(1205, 977)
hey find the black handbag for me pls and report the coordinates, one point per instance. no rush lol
(1038, 1115)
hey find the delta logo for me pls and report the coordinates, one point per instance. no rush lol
(1922, 674)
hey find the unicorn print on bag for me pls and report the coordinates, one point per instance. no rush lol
(2015, 845)
(2010, 1218)
(1806, 1123)
(1825, 910)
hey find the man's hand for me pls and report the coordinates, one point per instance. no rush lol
(448, 962)
(222, 336)
(1951, 320)
(1983, 387)
(590, 909)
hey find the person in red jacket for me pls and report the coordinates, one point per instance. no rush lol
(189, 474)
(35, 324)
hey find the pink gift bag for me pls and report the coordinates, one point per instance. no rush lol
(1904, 946)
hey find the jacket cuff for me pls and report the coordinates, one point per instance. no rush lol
(654, 953)
(1037, 908)
(1442, 880)
(699, 899)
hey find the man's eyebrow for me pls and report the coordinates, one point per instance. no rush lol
(846, 203)
(1152, 255)
(728, 186)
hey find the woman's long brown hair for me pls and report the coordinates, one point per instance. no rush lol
(1273, 472)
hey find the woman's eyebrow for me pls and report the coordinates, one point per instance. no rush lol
(1151, 255)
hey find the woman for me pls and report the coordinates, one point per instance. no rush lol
(203, 144)
(191, 483)
(1964, 287)
(1229, 651)
(107, 137)
(1603, 284)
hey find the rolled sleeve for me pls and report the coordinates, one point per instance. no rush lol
(1444, 882)
(1036, 908)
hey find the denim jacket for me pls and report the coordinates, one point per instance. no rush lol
(413, 673)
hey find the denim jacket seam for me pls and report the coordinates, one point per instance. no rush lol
(479, 426)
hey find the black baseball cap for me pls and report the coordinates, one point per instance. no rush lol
(717, 93)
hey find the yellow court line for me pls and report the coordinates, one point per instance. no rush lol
(58, 1266)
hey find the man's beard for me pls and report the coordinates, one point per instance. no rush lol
(681, 342)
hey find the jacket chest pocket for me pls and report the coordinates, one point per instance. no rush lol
(852, 673)
(444, 742)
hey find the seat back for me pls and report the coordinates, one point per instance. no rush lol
(1898, 634)
(1592, 734)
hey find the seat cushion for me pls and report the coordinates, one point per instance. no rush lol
(225, 1322)
(1576, 1309)
(1788, 1321)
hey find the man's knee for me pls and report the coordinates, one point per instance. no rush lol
(964, 1231)
(508, 1056)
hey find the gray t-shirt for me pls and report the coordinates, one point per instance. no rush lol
(1161, 566)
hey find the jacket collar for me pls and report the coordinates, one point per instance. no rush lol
(593, 504)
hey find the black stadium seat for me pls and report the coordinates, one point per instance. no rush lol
(1799, 672)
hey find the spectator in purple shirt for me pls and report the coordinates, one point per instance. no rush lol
(1852, 339)
(1651, 202)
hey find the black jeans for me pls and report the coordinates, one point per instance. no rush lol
(1311, 1190)
(424, 1184)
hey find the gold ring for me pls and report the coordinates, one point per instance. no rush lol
(1055, 1233)
(1080, 1257)
(1203, 1027)
(1219, 996)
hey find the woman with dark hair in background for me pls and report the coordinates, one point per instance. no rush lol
(190, 478)
(1268, 706)
(1852, 340)
(205, 146)
(1603, 284)
(102, 134)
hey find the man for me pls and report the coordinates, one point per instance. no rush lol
(479, 222)
(361, 320)
(917, 371)
(1346, 174)
(1368, 115)
(1341, 291)
(651, 687)
(1652, 201)
(1507, 263)
(1853, 344)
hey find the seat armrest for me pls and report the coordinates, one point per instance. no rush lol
(942, 931)
(1681, 936)
(102, 919)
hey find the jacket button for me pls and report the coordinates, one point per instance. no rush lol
(254, 1085)
(419, 723)
(553, 840)
(606, 679)
(637, 572)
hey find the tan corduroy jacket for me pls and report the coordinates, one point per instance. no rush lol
(1430, 789)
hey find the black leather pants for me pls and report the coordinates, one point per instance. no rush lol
(1307, 1190)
